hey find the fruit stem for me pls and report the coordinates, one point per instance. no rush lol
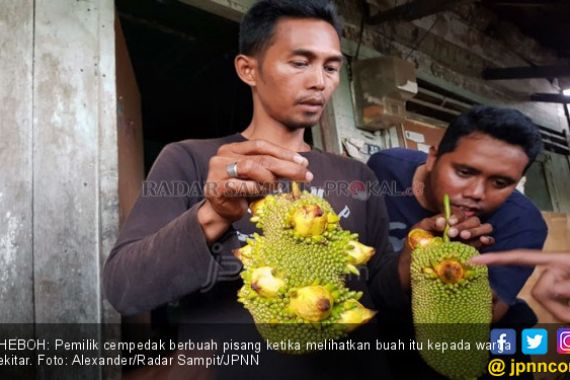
(447, 213)
(295, 190)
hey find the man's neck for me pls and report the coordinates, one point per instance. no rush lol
(277, 134)
(420, 186)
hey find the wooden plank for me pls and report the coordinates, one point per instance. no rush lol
(16, 99)
(129, 129)
(412, 10)
(559, 182)
(108, 170)
(550, 98)
(230, 9)
(341, 124)
(66, 242)
(526, 72)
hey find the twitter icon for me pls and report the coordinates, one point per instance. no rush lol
(534, 341)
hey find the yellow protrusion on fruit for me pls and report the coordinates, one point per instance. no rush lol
(311, 303)
(309, 220)
(359, 253)
(265, 283)
(355, 315)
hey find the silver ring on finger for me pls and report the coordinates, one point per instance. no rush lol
(232, 170)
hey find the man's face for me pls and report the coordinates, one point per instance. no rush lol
(479, 175)
(298, 72)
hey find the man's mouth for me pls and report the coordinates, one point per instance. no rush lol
(312, 104)
(468, 211)
(309, 107)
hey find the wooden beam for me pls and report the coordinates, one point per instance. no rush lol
(526, 72)
(528, 4)
(550, 98)
(412, 10)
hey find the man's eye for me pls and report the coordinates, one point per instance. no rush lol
(463, 172)
(500, 184)
(299, 64)
(331, 69)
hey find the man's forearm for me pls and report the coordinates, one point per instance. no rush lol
(160, 267)
(213, 225)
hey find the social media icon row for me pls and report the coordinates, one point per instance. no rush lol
(533, 341)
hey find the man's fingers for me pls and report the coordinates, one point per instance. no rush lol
(263, 169)
(237, 188)
(522, 257)
(433, 224)
(471, 233)
(262, 147)
(248, 166)
(457, 216)
(487, 240)
(439, 223)
(469, 223)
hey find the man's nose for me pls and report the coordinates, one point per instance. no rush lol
(317, 79)
(475, 189)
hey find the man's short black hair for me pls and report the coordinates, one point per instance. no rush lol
(258, 25)
(504, 124)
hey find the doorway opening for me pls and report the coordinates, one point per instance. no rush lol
(182, 59)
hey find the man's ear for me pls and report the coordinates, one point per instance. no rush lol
(246, 68)
(431, 158)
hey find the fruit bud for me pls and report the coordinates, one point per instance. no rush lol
(244, 253)
(355, 315)
(419, 238)
(309, 220)
(450, 271)
(311, 303)
(265, 283)
(359, 253)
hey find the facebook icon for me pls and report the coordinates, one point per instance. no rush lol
(503, 341)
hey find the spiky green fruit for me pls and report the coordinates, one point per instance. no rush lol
(294, 274)
(451, 304)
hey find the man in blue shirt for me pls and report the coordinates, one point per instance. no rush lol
(479, 161)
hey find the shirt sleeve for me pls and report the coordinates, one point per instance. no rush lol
(384, 281)
(161, 253)
(507, 281)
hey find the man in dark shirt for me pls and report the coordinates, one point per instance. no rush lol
(177, 245)
(479, 161)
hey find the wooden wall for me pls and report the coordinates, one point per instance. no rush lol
(58, 148)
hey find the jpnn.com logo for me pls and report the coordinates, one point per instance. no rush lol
(503, 341)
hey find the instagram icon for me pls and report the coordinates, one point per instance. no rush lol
(563, 341)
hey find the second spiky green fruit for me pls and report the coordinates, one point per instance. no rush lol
(451, 302)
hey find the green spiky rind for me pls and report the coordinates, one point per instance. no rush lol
(300, 262)
(451, 312)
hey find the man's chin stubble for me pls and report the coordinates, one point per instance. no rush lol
(303, 125)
